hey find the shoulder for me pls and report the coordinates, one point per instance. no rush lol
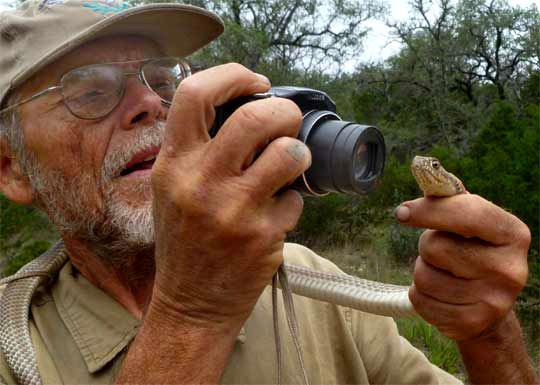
(296, 254)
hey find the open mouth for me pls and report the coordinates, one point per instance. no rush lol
(141, 163)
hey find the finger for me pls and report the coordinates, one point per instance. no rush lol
(281, 162)
(287, 207)
(458, 322)
(252, 127)
(444, 286)
(466, 214)
(475, 259)
(469, 258)
(191, 113)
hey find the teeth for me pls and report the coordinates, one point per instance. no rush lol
(150, 157)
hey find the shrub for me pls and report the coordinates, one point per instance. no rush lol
(403, 243)
(26, 253)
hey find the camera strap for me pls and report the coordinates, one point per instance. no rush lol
(292, 321)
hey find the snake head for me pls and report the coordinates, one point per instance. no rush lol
(433, 179)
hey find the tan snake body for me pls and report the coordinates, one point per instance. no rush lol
(361, 294)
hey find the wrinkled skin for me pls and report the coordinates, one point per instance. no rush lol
(221, 217)
(471, 266)
(472, 263)
(222, 210)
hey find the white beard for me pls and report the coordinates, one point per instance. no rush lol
(136, 224)
(118, 225)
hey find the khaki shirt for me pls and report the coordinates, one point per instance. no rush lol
(81, 336)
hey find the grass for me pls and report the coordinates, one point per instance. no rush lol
(440, 350)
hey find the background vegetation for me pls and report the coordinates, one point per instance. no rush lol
(465, 87)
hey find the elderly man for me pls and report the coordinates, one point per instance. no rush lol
(170, 238)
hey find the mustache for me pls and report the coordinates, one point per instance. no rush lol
(147, 137)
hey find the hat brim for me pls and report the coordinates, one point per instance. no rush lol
(179, 30)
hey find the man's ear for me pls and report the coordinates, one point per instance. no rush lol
(14, 184)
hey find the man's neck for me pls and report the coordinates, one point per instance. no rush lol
(127, 278)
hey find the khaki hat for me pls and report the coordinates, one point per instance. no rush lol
(42, 31)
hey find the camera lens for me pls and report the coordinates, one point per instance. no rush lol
(361, 161)
(346, 157)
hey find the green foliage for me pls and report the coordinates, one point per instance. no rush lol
(440, 350)
(530, 92)
(402, 243)
(15, 218)
(28, 252)
(12, 217)
(503, 165)
(333, 219)
(25, 233)
(531, 292)
(396, 185)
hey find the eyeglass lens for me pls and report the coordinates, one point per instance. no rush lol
(163, 76)
(94, 91)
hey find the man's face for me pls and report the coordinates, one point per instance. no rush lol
(92, 177)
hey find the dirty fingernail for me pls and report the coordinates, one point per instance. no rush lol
(402, 213)
(298, 151)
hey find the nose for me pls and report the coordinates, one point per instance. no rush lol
(140, 105)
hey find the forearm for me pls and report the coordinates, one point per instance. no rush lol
(500, 356)
(168, 351)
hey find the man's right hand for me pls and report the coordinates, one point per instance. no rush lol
(220, 221)
(221, 216)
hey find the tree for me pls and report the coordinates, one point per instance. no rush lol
(497, 41)
(275, 36)
(458, 58)
(473, 41)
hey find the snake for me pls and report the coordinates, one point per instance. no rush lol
(340, 289)
(366, 295)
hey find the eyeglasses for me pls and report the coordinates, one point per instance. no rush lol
(92, 92)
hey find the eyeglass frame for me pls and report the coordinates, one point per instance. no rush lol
(185, 64)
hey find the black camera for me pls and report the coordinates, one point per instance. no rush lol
(346, 157)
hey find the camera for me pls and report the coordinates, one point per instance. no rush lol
(347, 157)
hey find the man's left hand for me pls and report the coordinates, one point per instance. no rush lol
(472, 263)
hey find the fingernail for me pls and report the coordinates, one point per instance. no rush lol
(402, 213)
(298, 151)
(264, 79)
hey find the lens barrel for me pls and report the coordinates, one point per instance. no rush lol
(346, 157)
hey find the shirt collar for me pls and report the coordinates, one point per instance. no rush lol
(100, 326)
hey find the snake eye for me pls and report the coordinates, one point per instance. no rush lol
(435, 164)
